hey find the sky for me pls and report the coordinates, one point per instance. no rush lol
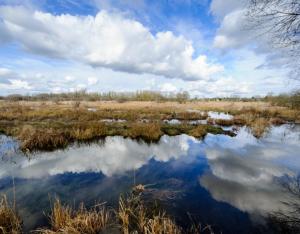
(200, 46)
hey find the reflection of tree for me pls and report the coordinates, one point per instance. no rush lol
(288, 222)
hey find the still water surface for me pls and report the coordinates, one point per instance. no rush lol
(231, 183)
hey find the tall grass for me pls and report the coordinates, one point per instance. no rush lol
(132, 216)
(135, 217)
(10, 222)
(64, 219)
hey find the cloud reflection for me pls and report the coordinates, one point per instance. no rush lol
(116, 156)
(245, 172)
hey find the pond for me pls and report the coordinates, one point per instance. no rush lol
(231, 183)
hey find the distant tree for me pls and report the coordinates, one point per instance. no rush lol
(182, 97)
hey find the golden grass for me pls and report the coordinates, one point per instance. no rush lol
(136, 218)
(147, 131)
(10, 222)
(48, 126)
(198, 132)
(259, 126)
(132, 216)
(35, 136)
(47, 139)
(64, 219)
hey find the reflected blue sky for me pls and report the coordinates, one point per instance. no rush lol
(224, 181)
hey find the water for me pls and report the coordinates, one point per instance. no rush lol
(211, 114)
(219, 115)
(231, 183)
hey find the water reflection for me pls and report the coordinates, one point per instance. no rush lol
(219, 115)
(220, 180)
(244, 171)
(116, 156)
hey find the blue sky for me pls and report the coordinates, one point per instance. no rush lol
(199, 46)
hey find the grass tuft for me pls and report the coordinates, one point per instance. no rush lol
(10, 222)
(64, 219)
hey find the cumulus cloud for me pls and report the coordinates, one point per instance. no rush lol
(232, 33)
(106, 40)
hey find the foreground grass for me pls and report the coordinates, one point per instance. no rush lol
(64, 219)
(132, 216)
(49, 125)
(10, 222)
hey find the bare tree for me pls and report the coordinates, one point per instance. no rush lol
(279, 21)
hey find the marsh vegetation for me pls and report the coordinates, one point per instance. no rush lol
(47, 122)
(194, 181)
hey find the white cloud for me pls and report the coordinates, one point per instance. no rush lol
(168, 87)
(106, 40)
(92, 80)
(69, 78)
(4, 71)
(5, 75)
(223, 87)
(16, 85)
(10, 80)
(20, 84)
(220, 8)
(232, 32)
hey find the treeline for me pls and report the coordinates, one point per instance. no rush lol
(106, 96)
(119, 96)
(287, 100)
